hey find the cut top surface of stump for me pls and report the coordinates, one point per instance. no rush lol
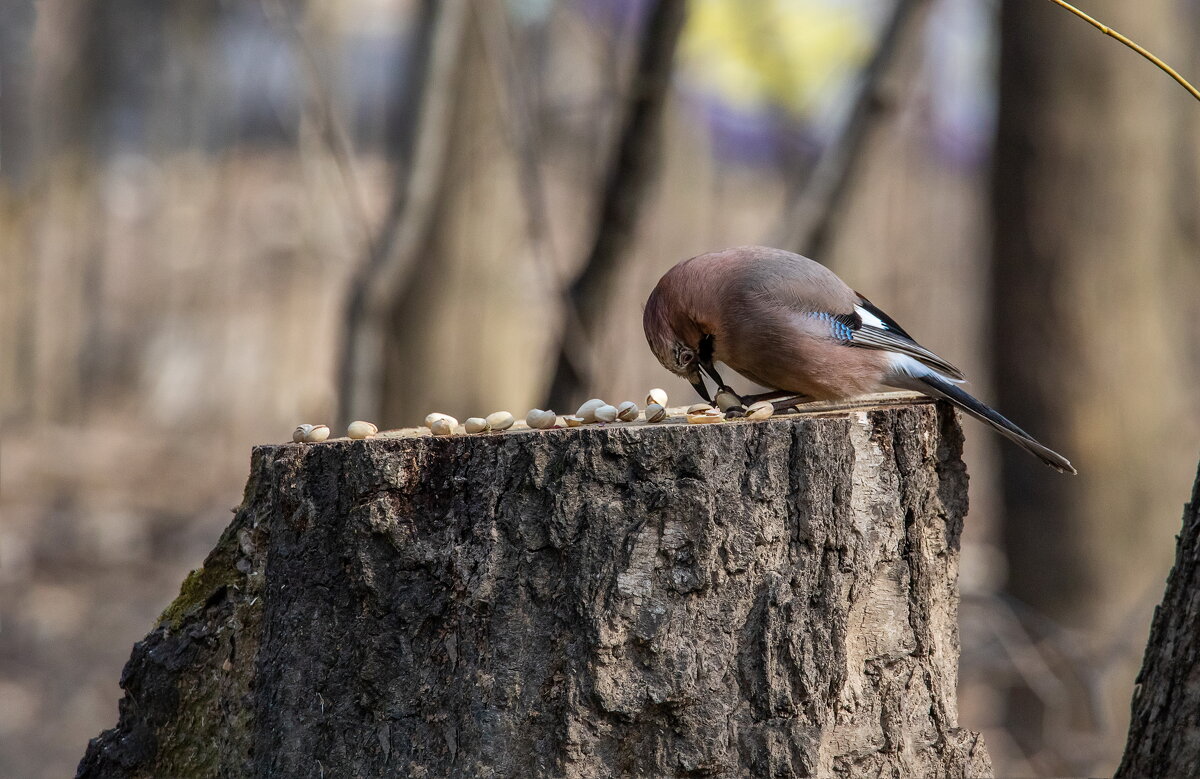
(677, 415)
(772, 598)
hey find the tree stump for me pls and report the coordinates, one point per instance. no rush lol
(772, 598)
(1164, 729)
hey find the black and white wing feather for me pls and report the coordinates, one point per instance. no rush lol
(872, 328)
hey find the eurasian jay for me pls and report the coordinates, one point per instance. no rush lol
(790, 324)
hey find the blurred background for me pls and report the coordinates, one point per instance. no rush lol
(221, 219)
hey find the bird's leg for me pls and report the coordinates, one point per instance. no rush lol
(792, 402)
(723, 388)
(780, 399)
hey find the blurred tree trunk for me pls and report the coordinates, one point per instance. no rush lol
(634, 166)
(420, 148)
(16, 76)
(455, 326)
(16, 157)
(1094, 298)
(91, 96)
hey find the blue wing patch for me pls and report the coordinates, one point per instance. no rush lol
(838, 326)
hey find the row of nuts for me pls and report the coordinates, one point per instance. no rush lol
(594, 410)
(313, 434)
(443, 424)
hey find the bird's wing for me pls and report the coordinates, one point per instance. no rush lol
(877, 330)
(868, 327)
(809, 288)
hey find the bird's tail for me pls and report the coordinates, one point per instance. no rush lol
(932, 384)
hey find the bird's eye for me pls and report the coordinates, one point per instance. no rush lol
(686, 356)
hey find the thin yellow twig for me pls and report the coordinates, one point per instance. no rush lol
(1114, 34)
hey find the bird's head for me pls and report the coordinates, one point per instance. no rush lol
(674, 336)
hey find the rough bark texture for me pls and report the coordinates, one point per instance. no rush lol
(749, 599)
(1164, 730)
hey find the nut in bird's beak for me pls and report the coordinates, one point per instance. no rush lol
(698, 382)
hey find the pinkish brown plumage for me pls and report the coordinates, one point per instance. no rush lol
(790, 324)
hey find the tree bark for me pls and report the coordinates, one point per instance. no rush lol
(753, 599)
(1164, 730)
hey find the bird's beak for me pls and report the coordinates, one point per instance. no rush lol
(698, 382)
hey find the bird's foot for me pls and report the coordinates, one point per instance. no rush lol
(789, 404)
(781, 400)
(735, 405)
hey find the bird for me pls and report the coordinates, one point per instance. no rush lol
(790, 324)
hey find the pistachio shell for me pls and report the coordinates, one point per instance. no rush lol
(573, 421)
(606, 413)
(359, 429)
(705, 417)
(500, 420)
(699, 408)
(727, 400)
(317, 434)
(587, 411)
(429, 419)
(300, 432)
(763, 409)
(443, 426)
(655, 413)
(627, 411)
(657, 396)
(540, 420)
(476, 425)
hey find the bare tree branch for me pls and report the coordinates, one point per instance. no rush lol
(1170, 71)
(333, 132)
(517, 111)
(633, 167)
(381, 278)
(812, 219)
